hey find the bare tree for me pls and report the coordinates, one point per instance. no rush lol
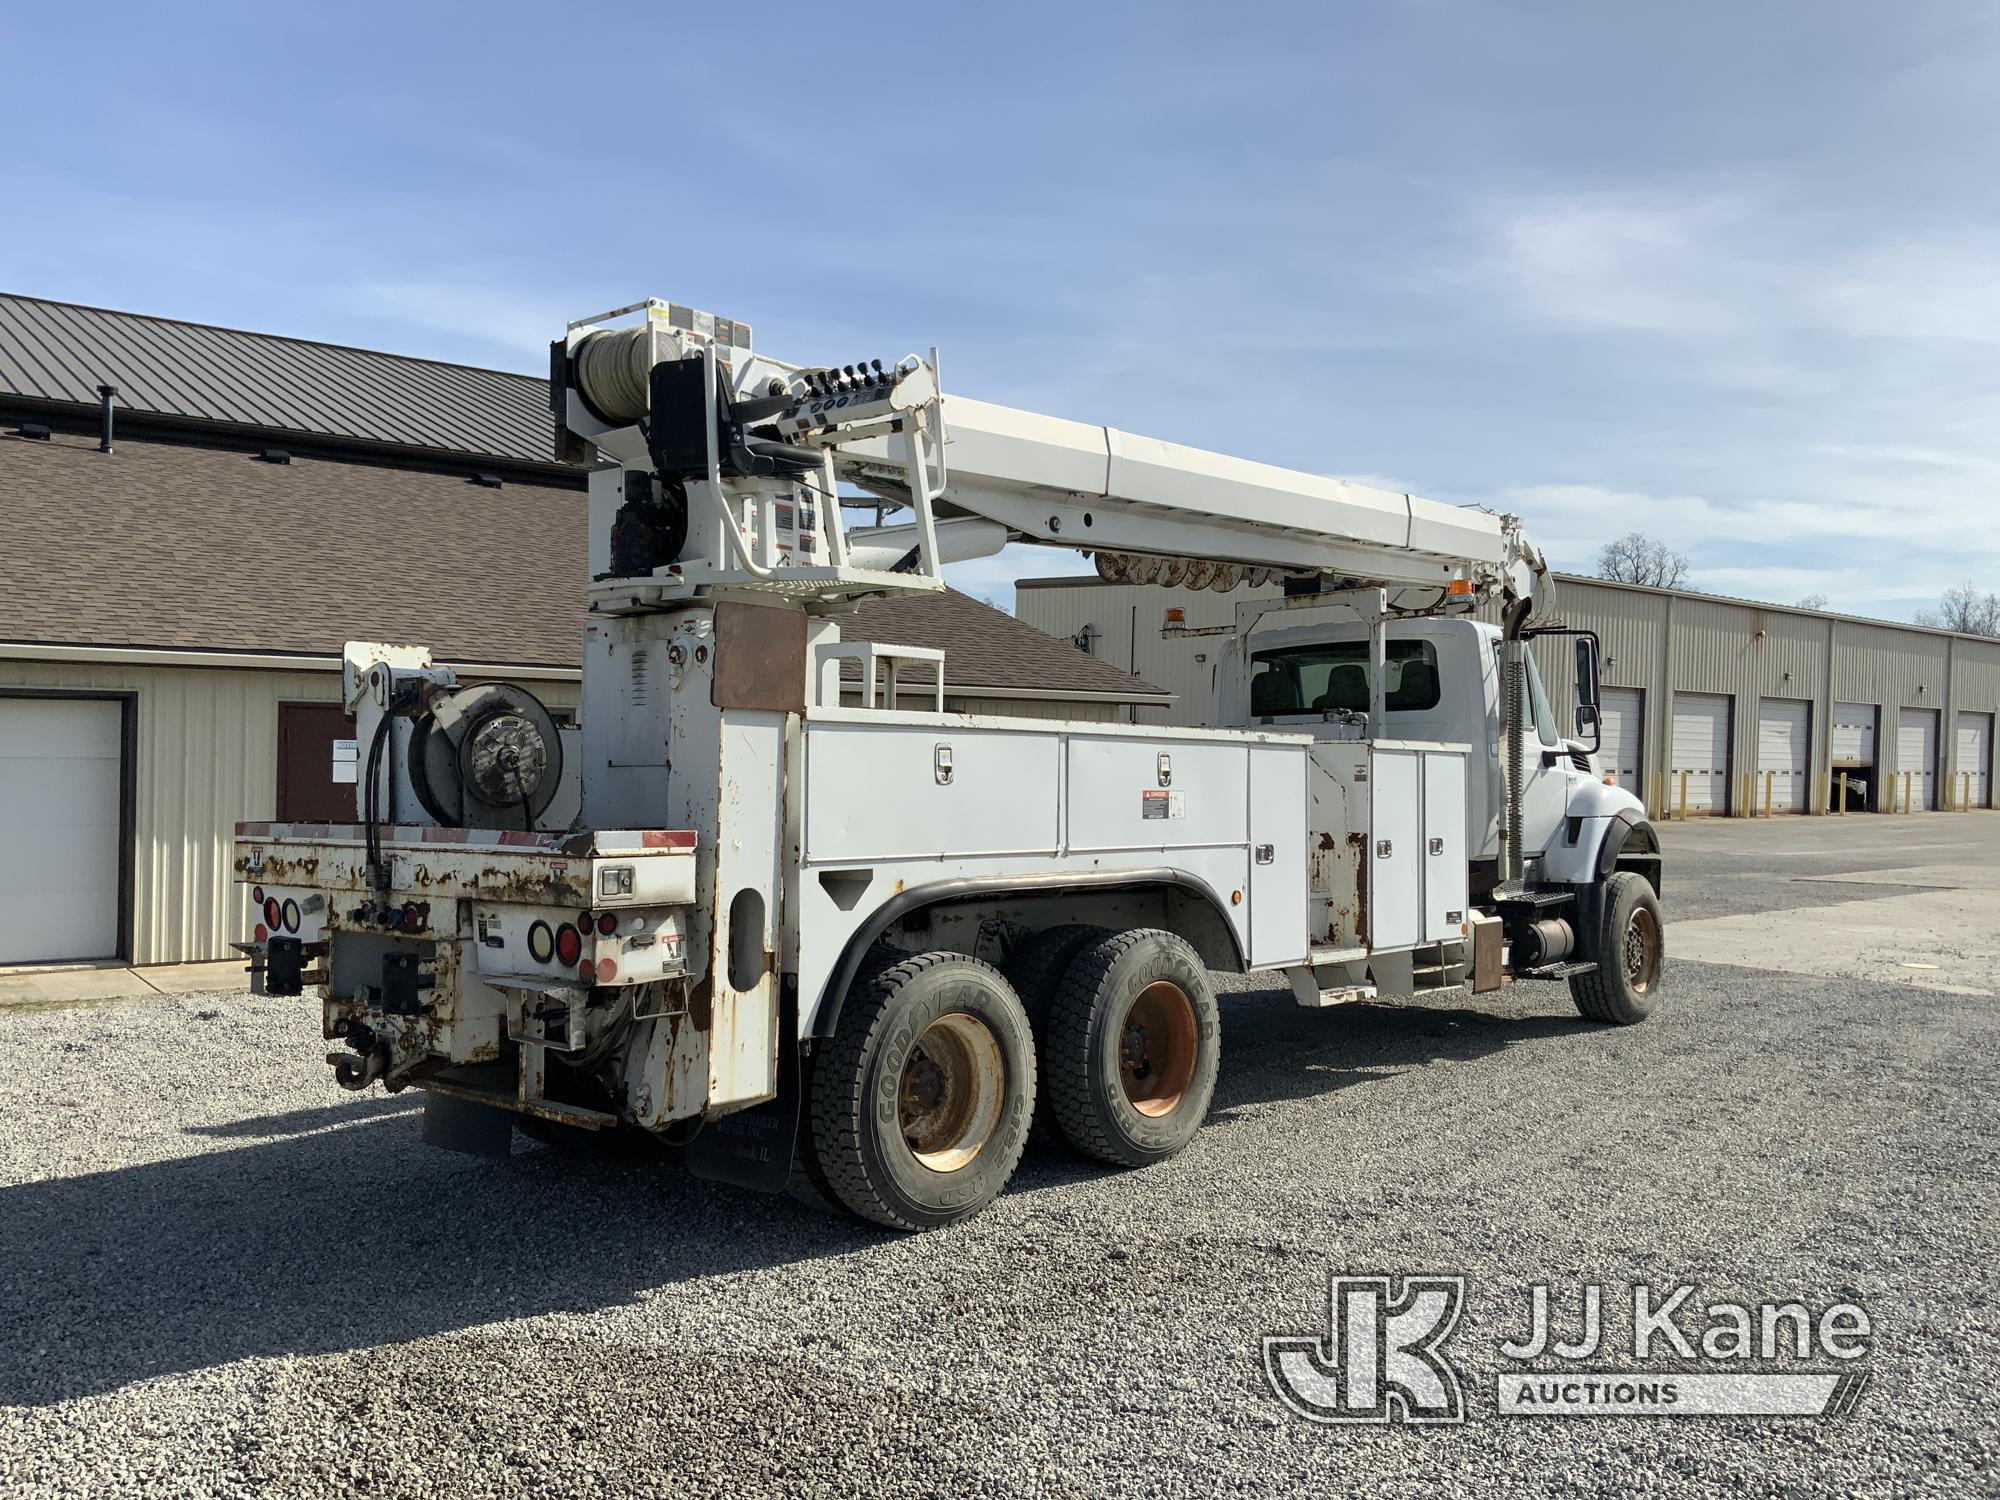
(1964, 609)
(1812, 601)
(1637, 558)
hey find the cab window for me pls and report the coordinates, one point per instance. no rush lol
(1538, 697)
(1334, 675)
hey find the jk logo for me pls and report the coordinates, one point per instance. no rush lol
(1381, 1360)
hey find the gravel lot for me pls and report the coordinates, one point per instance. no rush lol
(220, 1276)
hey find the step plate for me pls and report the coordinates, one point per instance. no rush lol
(1557, 971)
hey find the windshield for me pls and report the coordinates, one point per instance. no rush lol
(1538, 699)
(1329, 675)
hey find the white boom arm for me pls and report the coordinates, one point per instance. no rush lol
(1129, 498)
(975, 476)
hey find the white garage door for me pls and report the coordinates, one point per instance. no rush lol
(1975, 761)
(1854, 734)
(1916, 759)
(1782, 755)
(1701, 749)
(59, 825)
(1620, 726)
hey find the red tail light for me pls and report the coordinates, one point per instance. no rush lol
(569, 944)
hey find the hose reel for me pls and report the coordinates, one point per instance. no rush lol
(486, 757)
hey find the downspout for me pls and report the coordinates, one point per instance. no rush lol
(105, 395)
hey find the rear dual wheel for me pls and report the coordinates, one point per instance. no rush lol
(1036, 968)
(921, 1102)
(1131, 1048)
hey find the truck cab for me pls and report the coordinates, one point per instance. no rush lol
(1442, 690)
(1442, 685)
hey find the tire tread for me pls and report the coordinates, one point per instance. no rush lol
(839, 1098)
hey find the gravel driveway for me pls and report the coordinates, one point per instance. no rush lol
(220, 1276)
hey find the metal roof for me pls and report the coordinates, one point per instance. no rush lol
(228, 378)
(200, 546)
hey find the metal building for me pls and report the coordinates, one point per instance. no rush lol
(1711, 705)
(176, 586)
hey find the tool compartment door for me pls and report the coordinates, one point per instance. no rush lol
(1446, 872)
(1132, 793)
(1394, 858)
(924, 791)
(1278, 878)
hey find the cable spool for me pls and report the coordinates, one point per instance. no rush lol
(486, 757)
(613, 371)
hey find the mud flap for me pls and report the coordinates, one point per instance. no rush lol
(754, 1147)
(460, 1125)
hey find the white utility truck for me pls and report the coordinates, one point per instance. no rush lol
(737, 915)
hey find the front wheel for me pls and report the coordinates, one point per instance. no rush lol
(1631, 955)
(921, 1101)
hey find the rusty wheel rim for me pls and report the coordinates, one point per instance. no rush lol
(1642, 950)
(1156, 1048)
(948, 1098)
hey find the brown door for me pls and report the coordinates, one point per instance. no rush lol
(307, 790)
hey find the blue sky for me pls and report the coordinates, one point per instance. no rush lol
(1726, 273)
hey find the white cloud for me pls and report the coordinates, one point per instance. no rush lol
(469, 309)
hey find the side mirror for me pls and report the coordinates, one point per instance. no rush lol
(1586, 671)
(1586, 691)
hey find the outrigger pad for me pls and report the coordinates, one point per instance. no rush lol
(284, 966)
(460, 1125)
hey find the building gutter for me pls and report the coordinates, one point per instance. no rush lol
(255, 661)
(275, 661)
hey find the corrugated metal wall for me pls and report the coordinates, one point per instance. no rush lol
(1658, 642)
(205, 758)
(1125, 619)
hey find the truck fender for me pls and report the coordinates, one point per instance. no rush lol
(970, 887)
(1631, 842)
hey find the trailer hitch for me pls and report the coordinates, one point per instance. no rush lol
(354, 1071)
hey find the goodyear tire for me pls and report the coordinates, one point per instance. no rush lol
(1132, 1048)
(1630, 950)
(920, 1103)
(1036, 969)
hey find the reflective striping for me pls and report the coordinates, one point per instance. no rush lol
(1621, 736)
(1972, 769)
(602, 841)
(1915, 782)
(1783, 755)
(1701, 749)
